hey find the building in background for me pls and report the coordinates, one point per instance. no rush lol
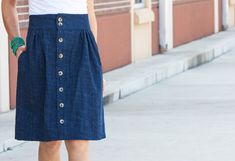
(130, 31)
(231, 13)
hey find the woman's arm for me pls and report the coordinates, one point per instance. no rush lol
(92, 18)
(10, 20)
(93, 24)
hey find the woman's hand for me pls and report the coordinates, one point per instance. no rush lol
(20, 50)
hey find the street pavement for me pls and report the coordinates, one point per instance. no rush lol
(188, 117)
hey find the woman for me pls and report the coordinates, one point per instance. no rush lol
(59, 81)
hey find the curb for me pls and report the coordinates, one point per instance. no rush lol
(171, 68)
(9, 144)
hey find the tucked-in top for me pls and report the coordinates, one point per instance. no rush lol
(57, 6)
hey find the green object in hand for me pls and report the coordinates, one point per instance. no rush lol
(16, 42)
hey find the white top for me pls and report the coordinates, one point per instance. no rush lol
(57, 6)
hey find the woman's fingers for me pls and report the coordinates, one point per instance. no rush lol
(20, 50)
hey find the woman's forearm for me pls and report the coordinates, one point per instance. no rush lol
(10, 18)
(94, 26)
(92, 17)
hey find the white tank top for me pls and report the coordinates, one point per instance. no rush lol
(57, 6)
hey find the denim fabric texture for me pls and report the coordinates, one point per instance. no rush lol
(59, 82)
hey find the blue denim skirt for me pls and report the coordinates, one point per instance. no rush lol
(59, 82)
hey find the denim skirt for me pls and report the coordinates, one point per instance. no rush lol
(59, 81)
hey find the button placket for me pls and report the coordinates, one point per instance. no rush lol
(60, 71)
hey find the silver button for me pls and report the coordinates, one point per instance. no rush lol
(60, 39)
(61, 89)
(60, 23)
(60, 55)
(61, 104)
(61, 121)
(60, 73)
(60, 19)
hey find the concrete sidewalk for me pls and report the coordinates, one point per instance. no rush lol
(134, 77)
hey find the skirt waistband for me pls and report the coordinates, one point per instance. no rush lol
(59, 20)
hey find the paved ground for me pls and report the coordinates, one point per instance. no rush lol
(139, 75)
(189, 117)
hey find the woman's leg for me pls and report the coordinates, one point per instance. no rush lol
(78, 150)
(49, 150)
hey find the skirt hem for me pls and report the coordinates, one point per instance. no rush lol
(62, 138)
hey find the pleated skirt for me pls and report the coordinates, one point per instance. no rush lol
(59, 81)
